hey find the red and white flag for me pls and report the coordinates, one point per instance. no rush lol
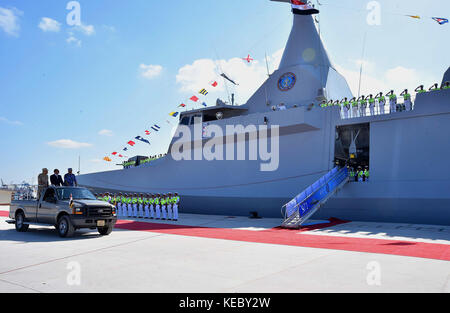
(302, 8)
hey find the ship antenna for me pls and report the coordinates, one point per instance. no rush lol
(267, 66)
(362, 62)
(224, 80)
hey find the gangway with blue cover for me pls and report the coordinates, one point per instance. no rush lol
(302, 207)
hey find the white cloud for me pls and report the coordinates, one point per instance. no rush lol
(150, 71)
(49, 25)
(9, 21)
(5, 120)
(374, 81)
(68, 144)
(195, 76)
(88, 30)
(73, 40)
(106, 132)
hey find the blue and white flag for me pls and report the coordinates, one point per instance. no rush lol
(156, 128)
(142, 139)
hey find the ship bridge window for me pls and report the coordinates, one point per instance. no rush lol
(185, 120)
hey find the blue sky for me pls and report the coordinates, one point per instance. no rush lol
(59, 82)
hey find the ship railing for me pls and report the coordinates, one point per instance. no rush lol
(387, 110)
(302, 207)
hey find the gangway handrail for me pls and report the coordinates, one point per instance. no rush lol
(313, 193)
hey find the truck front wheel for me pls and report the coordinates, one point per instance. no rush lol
(105, 231)
(21, 227)
(64, 227)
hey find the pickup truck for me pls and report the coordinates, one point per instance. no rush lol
(66, 208)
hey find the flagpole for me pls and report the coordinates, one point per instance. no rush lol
(362, 62)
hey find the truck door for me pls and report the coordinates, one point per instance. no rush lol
(47, 208)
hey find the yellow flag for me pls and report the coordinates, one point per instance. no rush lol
(107, 159)
(414, 16)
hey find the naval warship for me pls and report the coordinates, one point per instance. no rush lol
(406, 151)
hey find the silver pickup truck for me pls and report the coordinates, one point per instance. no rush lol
(66, 208)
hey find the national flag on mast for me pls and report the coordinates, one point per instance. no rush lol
(303, 8)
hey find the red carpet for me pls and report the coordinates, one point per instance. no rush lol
(280, 236)
(293, 238)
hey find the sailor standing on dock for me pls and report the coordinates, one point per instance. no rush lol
(158, 206)
(176, 201)
(141, 206)
(129, 206)
(152, 206)
(119, 204)
(169, 206)
(146, 206)
(163, 206)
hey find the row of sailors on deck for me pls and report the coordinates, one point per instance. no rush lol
(357, 107)
(158, 206)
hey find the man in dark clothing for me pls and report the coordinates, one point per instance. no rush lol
(56, 179)
(69, 179)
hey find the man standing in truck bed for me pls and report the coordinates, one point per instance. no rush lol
(69, 179)
(42, 182)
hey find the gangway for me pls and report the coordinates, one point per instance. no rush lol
(302, 207)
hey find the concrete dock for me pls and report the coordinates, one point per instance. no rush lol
(227, 254)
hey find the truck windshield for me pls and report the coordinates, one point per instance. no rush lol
(77, 194)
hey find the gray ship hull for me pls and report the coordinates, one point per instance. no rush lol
(409, 183)
(407, 151)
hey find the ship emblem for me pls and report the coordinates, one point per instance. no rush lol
(287, 81)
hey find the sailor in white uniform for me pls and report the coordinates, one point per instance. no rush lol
(169, 206)
(164, 206)
(130, 205)
(147, 206)
(381, 102)
(141, 206)
(392, 101)
(135, 205)
(119, 205)
(176, 202)
(158, 206)
(151, 202)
